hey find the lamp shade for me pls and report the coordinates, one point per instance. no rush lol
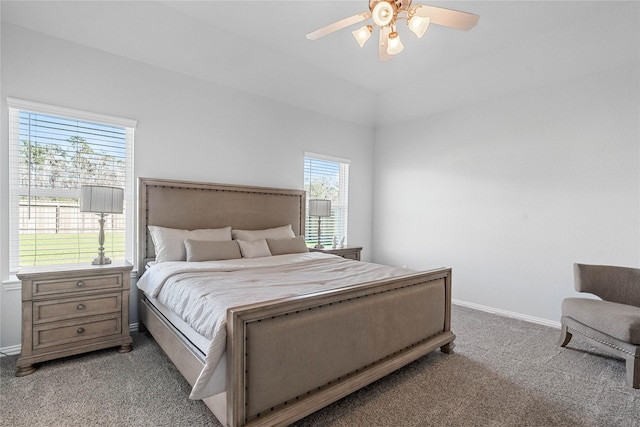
(319, 207)
(99, 199)
(418, 25)
(363, 34)
(394, 46)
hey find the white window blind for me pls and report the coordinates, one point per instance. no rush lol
(53, 151)
(327, 178)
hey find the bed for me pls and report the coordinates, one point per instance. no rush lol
(288, 356)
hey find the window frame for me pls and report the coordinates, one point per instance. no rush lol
(15, 107)
(341, 206)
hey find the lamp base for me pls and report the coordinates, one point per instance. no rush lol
(101, 260)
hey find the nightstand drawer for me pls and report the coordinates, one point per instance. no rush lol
(351, 255)
(54, 310)
(52, 334)
(76, 284)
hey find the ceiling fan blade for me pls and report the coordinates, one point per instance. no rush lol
(343, 23)
(383, 43)
(448, 17)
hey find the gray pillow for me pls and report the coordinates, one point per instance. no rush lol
(169, 242)
(287, 246)
(210, 250)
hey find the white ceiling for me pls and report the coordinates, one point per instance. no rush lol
(260, 47)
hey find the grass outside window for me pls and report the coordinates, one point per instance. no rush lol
(52, 248)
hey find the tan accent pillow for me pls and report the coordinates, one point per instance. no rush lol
(169, 242)
(210, 250)
(254, 249)
(287, 246)
(284, 232)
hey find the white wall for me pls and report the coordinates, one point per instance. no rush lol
(187, 129)
(511, 192)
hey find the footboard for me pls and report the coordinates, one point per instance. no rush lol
(289, 359)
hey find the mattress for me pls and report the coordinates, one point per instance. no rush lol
(201, 343)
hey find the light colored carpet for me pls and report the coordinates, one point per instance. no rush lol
(504, 372)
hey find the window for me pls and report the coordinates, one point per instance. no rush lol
(327, 178)
(53, 151)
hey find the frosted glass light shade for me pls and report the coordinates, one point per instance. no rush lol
(319, 207)
(382, 13)
(395, 45)
(362, 34)
(99, 199)
(418, 25)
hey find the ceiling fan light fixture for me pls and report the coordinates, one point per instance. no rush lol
(363, 34)
(418, 25)
(383, 13)
(394, 45)
(386, 13)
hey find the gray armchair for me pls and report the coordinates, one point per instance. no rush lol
(612, 324)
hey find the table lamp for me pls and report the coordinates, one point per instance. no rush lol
(319, 208)
(102, 201)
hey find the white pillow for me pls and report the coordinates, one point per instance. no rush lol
(254, 249)
(169, 242)
(284, 232)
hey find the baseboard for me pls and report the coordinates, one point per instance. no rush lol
(506, 313)
(10, 351)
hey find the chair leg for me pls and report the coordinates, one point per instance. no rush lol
(633, 371)
(565, 336)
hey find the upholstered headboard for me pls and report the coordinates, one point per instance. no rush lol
(193, 205)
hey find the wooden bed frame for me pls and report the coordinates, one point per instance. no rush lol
(290, 357)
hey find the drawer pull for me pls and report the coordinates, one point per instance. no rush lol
(80, 330)
(79, 283)
(80, 306)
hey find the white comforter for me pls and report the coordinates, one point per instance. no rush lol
(201, 292)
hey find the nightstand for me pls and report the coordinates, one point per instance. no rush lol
(349, 252)
(72, 309)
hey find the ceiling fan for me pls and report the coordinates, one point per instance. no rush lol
(386, 13)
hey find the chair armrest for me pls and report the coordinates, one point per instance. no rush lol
(611, 283)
